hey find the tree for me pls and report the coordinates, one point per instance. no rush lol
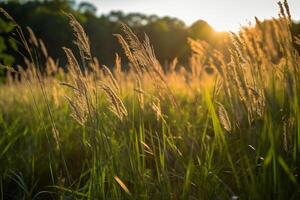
(7, 44)
(85, 7)
(201, 30)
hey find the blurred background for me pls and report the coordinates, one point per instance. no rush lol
(168, 23)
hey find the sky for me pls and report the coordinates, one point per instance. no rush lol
(222, 15)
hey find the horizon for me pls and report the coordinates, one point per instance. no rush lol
(222, 16)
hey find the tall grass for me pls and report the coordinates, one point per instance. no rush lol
(210, 130)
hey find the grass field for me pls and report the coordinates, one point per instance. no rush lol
(214, 129)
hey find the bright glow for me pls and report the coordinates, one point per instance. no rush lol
(223, 15)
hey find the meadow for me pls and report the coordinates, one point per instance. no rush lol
(213, 129)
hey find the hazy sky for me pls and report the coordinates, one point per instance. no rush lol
(223, 15)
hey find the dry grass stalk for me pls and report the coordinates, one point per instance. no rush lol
(95, 67)
(43, 48)
(128, 53)
(73, 64)
(173, 64)
(32, 37)
(224, 118)
(51, 66)
(297, 40)
(122, 184)
(155, 105)
(141, 94)
(287, 9)
(82, 40)
(79, 110)
(55, 133)
(118, 67)
(147, 148)
(144, 60)
(116, 104)
(8, 16)
(112, 79)
(81, 101)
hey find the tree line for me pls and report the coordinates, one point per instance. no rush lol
(48, 21)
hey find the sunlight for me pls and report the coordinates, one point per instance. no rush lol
(226, 25)
(221, 15)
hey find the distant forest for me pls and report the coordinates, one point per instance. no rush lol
(47, 20)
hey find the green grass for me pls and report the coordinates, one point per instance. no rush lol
(187, 155)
